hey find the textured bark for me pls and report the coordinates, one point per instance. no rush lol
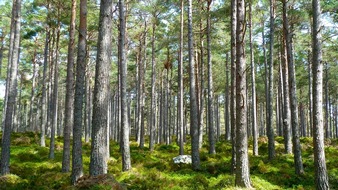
(98, 162)
(321, 179)
(269, 102)
(286, 107)
(13, 61)
(126, 165)
(68, 122)
(242, 160)
(253, 87)
(193, 102)
(180, 83)
(211, 123)
(233, 83)
(293, 94)
(77, 168)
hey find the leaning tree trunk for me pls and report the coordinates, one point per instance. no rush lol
(242, 157)
(69, 92)
(193, 102)
(321, 179)
(98, 162)
(77, 168)
(12, 85)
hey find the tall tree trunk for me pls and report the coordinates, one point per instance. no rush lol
(153, 89)
(201, 89)
(293, 94)
(286, 107)
(327, 104)
(12, 85)
(98, 162)
(321, 179)
(77, 168)
(126, 165)
(233, 83)
(180, 83)
(55, 94)
(226, 103)
(43, 105)
(211, 123)
(269, 112)
(253, 87)
(32, 98)
(68, 122)
(242, 160)
(193, 102)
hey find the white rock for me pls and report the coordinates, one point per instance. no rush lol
(184, 159)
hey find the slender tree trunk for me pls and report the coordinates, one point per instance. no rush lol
(327, 104)
(286, 107)
(32, 98)
(126, 165)
(201, 89)
(43, 105)
(293, 94)
(193, 102)
(180, 83)
(321, 179)
(77, 168)
(233, 82)
(226, 103)
(153, 89)
(68, 122)
(211, 123)
(269, 119)
(12, 85)
(55, 92)
(253, 87)
(98, 162)
(242, 160)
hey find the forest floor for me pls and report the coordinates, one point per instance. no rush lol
(32, 169)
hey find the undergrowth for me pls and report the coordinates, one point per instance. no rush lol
(32, 169)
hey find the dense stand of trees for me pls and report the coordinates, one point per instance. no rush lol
(156, 81)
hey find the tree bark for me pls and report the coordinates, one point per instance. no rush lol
(98, 162)
(321, 179)
(193, 102)
(13, 61)
(126, 165)
(253, 87)
(69, 92)
(286, 107)
(180, 83)
(293, 95)
(211, 123)
(77, 168)
(269, 113)
(233, 83)
(242, 161)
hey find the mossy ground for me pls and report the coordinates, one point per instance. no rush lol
(32, 169)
